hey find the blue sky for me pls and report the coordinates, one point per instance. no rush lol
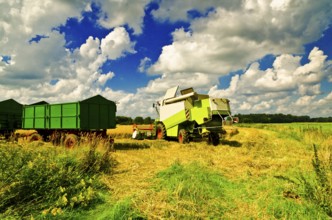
(265, 56)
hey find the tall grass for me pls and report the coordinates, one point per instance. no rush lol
(316, 186)
(49, 181)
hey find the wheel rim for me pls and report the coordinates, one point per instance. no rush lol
(35, 137)
(159, 133)
(70, 142)
(180, 138)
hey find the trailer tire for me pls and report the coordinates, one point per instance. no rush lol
(161, 131)
(35, 137)
(71, 141)
(183, 136)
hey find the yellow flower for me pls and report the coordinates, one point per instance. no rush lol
(45, 211)
(30, 164)
(54, 211)
(64, 199)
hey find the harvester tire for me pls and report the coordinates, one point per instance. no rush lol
(214, 138)
(183, 136)
(35, 137)
(161, 131)
(71, 141)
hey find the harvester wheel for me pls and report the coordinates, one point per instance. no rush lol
(71, 141)
(214, 138)
(161, 131)
(183, 136)
(35, 137)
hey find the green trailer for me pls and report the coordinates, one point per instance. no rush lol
(67, 122)
(10, 117)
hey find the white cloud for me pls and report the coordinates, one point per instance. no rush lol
(124, 12)
(116, 44)
(231, 37)
(145, 63)
(281, 88)
(305, 101)
(174, 10)
(76, 74)
(32, 17)
(313, 71)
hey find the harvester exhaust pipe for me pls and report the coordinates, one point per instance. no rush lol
(156, 106)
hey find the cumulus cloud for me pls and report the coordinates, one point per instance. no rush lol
(144, 64)
(30, 18)
(116, 44)
(229, 38)
(286, 87)
(125, 12)
(69, 75)
(173, 10)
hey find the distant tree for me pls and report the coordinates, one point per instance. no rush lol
(279, 118)
(139, 120)
(123, 120)
(148, 120)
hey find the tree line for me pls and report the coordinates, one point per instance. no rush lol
(244, 118)
(278, 118)
(124, 120)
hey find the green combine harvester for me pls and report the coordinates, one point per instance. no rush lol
(190, 116)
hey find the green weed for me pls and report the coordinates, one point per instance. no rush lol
(316, 187)
(94, 162)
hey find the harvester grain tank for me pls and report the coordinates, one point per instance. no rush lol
(191, 115)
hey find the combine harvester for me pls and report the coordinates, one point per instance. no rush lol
(188, 116)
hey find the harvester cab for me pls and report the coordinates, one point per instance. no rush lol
(191, 115)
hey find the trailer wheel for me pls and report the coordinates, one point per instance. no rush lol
(35, 137)
(161, 131)
(214, 138)
(71, 141)
(183, 136)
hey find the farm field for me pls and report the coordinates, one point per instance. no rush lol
(259, 171)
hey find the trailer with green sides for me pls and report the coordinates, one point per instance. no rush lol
(68, 122)
(10, 117)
